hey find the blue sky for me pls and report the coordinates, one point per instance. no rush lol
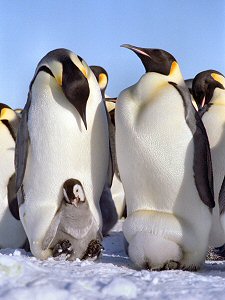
(193, 31)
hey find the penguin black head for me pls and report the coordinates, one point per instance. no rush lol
(71, 74)
(10, 119)
(102, 78)
(73, 192)
(204, 85)
(155, 60)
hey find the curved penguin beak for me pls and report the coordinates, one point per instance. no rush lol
(110, 100)
(137, 50)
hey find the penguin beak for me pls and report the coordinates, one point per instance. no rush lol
(135, 49)
(110, 100)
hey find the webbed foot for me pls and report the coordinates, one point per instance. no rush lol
(93, 251)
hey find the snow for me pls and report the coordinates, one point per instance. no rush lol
(113, 276)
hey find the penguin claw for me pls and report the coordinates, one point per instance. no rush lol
(93, 251)
(62, 248)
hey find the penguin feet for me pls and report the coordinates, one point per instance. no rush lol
(93, 251)
(62, 249)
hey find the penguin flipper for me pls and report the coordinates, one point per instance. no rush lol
(202, 164)
(111, 133)
(12, 199)
(222, 198)
(22, 143)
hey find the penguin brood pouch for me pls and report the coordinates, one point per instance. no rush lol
(167, 172)
(63, 135)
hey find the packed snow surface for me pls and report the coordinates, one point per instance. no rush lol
(113, 276)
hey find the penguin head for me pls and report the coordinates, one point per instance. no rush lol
(71, 73)
(205, 85)
(9, 118)
(73, 192)
(158, 61)
(102, 78)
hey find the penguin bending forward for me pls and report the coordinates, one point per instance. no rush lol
(209, 94)
(165, 166)
(12, 234)
(63, 134)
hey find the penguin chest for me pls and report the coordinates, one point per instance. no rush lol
(160, 152)
(7, 151)
(60, 146)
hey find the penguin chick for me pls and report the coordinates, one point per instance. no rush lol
(12, 234)
(209, 94)
(165, 165)
(73, 227)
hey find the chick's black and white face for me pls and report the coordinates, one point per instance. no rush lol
(73, 192)
(78, 193)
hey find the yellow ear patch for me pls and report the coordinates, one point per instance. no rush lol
(83, 70)
(102, 80)
(59, 79)
(218, 78)
(4, 113)
(173, 67)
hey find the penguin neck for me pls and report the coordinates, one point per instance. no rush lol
(218, 98)
(12, 127)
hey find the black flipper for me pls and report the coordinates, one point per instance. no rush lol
(22, 143)
(202, 164)
(222, 197)
(12, 199)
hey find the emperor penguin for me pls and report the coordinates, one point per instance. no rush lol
(12, 234)
(117, 190)
(63, 134)
(209, 94)
(165, 165)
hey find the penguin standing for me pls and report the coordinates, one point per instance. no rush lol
(209, 94)
(63, 134)
(12, 234)
(117, 191)
(164, 162)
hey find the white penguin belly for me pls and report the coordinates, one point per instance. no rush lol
(61, 148)
(11, 230)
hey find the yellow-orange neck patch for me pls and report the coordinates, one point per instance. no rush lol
(218, 78)
(102, 80)
(173, 68)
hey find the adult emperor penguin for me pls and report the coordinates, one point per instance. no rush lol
(209, 94)
(165, 166)
(63, 134)
(12, 234)
(117, 190)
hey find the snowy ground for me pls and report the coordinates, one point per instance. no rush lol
(112, 277)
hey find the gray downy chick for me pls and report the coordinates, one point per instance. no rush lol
(72, 233)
